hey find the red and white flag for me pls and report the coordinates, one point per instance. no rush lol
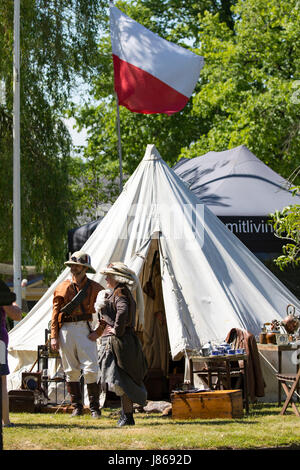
(152, 75)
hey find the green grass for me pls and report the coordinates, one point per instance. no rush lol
(263, 427)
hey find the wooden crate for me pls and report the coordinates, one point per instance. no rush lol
(21, 401)
(208, 404)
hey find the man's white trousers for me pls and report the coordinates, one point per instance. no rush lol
(78, 353)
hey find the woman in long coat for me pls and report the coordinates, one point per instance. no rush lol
(121, 359)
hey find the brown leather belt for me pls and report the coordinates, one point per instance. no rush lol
(74, 318)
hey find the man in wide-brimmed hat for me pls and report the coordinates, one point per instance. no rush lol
(73, 306)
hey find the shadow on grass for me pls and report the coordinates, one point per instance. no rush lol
(256, 410)
(60, 426)
(139, 422)
(265, 409)
(202, 422)
(114, 426)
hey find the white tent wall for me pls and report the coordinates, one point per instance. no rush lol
(217, 283)
(110, 242)
(210, 281)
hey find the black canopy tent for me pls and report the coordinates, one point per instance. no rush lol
(79, 235)
(241, 191)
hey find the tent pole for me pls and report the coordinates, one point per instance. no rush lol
(119, 144)
(16, 158)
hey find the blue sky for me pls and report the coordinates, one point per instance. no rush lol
(79, 138)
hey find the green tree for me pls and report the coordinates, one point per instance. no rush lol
(180, 16)
(58, 52)
(287, 226)
(249, 86)
(248, 91)
(98, 115)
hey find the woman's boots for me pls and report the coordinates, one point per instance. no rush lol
(126, 418)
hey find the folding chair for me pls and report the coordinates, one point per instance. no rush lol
(293, 380)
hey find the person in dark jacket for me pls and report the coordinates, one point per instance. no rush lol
(15, 313)
(121, 359)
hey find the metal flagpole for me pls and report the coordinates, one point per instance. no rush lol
(119, 144)
(16, 158)
(111, 3)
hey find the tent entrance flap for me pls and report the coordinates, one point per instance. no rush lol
(154, 333)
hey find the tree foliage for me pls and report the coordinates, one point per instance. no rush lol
(58, 41)
(180, 17)
(247, 92)
(287, 226)
(168, 133)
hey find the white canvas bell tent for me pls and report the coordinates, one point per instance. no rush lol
(210, 281)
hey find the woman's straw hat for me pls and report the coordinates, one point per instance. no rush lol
(120, 270)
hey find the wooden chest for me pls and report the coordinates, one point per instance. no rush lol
(21, 401)
(207, 404)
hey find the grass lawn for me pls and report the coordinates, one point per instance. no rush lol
(262, 428)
